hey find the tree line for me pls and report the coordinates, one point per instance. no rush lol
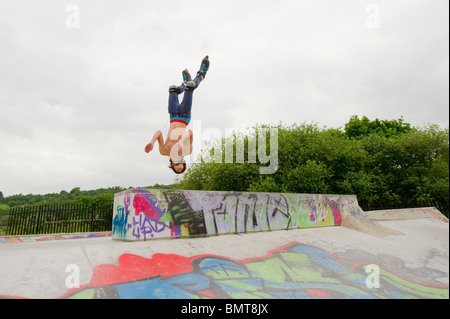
(76, 196)
(386, 163)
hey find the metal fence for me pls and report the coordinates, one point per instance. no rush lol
(51, 219)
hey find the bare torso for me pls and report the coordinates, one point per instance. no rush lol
(177, 144)
(175, 134)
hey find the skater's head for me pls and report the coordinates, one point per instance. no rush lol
(178, 167)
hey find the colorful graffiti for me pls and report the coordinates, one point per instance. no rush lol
(293, 271)
(141, 214)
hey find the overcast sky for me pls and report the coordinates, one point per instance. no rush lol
(84, 84)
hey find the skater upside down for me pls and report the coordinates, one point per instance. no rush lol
(179, 140)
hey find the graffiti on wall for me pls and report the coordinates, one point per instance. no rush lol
(145, 214)
(293, 271)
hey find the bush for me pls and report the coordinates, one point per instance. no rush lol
(382, 162)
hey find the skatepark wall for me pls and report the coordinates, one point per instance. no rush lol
(144, 214)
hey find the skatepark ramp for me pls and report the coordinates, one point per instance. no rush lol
(176, 244)
(143, 214)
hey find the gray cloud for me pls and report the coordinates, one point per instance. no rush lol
(78, 105)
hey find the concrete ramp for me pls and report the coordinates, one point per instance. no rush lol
(408, 213)
(235, 257)
(142, 214)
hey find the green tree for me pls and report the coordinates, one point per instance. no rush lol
(99, 199)
(75, 191)
(4, 209)
(414, 166)
(358, 128)
(311, 177)
(382, 162)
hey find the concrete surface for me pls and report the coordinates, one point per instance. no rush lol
(408, 213)
(362, 258)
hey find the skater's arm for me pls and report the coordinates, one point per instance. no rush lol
(158, 136)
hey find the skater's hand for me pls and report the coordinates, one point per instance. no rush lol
(149, 147)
